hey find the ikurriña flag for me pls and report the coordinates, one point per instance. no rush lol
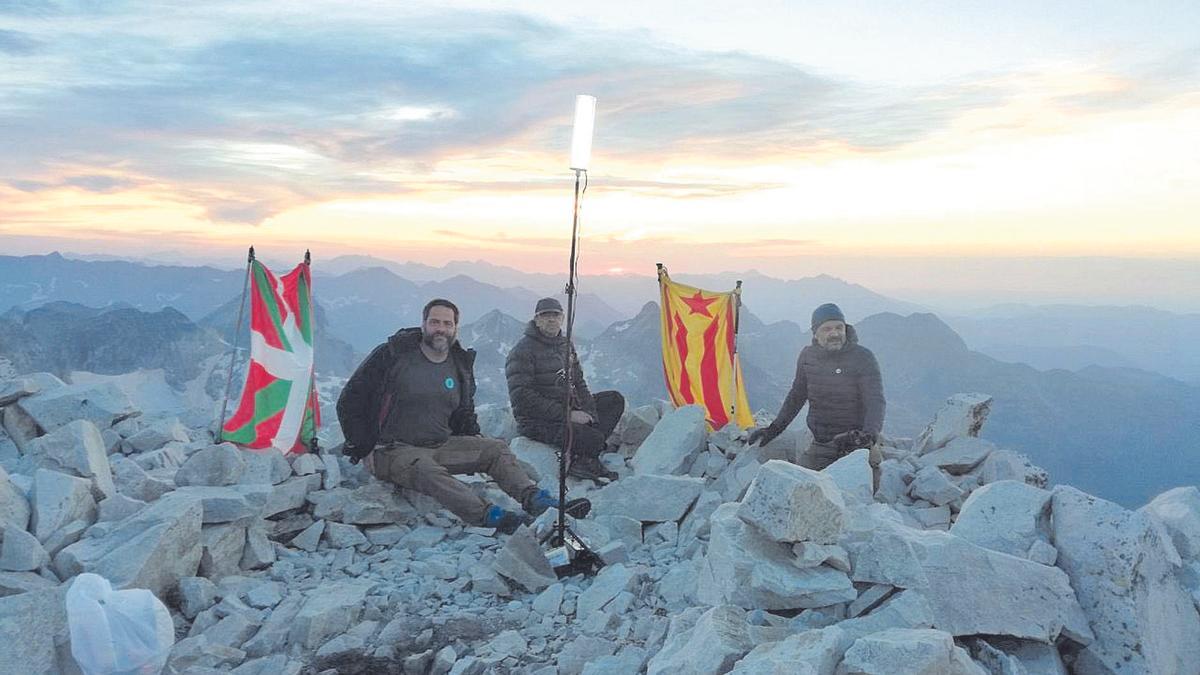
(699, 349)
(279, 400)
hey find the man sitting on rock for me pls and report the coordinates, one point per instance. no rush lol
(537, 386)
(409, 411)
(840, 380)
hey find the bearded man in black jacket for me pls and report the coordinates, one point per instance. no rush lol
(408, 411)
(840, 380)
(537, 386)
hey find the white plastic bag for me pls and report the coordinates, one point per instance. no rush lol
(117, 632)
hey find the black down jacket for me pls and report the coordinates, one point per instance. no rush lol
(363, 403)
(843, 389)
(537, 383)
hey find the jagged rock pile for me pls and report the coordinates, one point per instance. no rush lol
(957, 557)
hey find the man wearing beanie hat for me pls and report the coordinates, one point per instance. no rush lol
(840, 381)
(537, 387)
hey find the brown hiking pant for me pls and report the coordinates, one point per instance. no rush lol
(430, 470)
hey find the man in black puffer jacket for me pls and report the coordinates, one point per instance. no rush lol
(840, 380)
(537, 387)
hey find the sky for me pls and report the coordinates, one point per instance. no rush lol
(1019, 150)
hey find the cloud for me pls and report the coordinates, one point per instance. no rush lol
(18, 44)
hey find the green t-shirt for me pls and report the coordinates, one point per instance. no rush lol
(424, 395)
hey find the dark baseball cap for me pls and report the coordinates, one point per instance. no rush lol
(548, 305)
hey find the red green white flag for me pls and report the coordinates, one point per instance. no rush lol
(279, 400)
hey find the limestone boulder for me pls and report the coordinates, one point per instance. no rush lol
(719, 638)
(541, 459)
(648, 498)
(152, 549)
(75, 448)
(1006, 516)
(972, 590)
(17, 388)
(34, 637)
(156, 434)
(789, 503)
(674, 444)
(853, 476)
(14, 507)
(1179, 511)
(327, 611)
(102, 404)
(934, 487)
(216, 465)
(959, 456)
(905, 651)
(812, 652)
(59, 499)
(1119, 563)
(236, 503)
(743, 567)
(1004, 464)
(963, 415)
(523, 561)
(135, 482)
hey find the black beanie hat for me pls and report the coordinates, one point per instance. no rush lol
(826, 312)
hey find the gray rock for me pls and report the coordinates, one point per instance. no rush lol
(789, 503)
(266, 467)
(310, 538)
(575, 656)
(541, 459)
(69, 534)
(853, 476)
(216, 465)
(385, 535)
(674, 444)
(231, 631)
(12, 390)
(719, 639)
(894, 477)
(198, 653)
(963, 415)
(339, 535)
(259, 552)
(265, 595)
(328, 610)
(972, 590)
(75, 448)
(744, 568)
(637, 424)
(623, 528)
(333, 471)
(306, 464)
(279, 664)
(959, 456)
(16, 583)
(484, 579)
(695, 524)
(869, 599)
(22, 552)
(547, 602)
(101, 403)
(59, 499)
(934, 487)
(1179, 511)
(19, 426)
(613, 552)
(196, 594)
(289, 495)
(809, 554)
(118, 507)
(221, 550)
(133, 481)
(236, 503)
(151, 550)
(34, 634)
(522, 561)
(931, 518)
(610, 582)
(812, 652)
(1008, 465)
(377, 503)
(157, 434)
(1006, 516)
(648, 498)
(1118, 564)
(900, 651)
(273, 635)
(170, 456)
(14, 507)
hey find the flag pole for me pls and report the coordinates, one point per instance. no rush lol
(314, 446)
(237, 331)
(737, 323)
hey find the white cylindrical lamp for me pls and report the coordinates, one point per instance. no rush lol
(581, 136)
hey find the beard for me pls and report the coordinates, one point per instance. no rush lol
(438, 342)
(833, 345)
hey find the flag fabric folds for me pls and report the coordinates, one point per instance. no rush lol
(279, 400)
(699, 349)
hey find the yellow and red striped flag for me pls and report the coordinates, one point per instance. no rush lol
(699, 348)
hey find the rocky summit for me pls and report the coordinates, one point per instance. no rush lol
(955, 556)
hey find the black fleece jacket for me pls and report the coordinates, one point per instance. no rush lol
(362, 406)
(843, 388)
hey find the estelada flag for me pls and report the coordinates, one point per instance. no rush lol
(279, 400)
(699, 348)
